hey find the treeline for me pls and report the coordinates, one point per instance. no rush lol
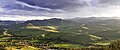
(113, 46)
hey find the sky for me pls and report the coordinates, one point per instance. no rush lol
(45, 9)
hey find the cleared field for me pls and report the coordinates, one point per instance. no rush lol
(68, 46)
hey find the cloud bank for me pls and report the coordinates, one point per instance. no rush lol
(39, 9)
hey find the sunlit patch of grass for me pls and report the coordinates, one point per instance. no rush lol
(43, 35)
(68, 46)
(52, 27)
(6, 33)
(29, 48)
(93, 36)
(45, 28)
(33, 27)
(4, 43)
(100, 43)
(10, 48)
(21, 48)
(13, 48)
(51, 30)
(5, 38)
(85, 27)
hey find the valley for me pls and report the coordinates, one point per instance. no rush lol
(59, 34)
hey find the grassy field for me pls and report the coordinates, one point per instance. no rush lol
(21, 48)
(68, 46)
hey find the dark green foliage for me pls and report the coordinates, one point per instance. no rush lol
(68, 32)
(115, 45)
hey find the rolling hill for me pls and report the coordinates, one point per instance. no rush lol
(63, 31)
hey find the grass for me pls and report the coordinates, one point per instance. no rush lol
(101, 43)
(11, 48)
(68, 46)
(93, 36)
(51, 30)
(6, 33)
(4, 43)
(5, 38)
(29, 48)
(45, 28)
(52, 27)
(23, 48)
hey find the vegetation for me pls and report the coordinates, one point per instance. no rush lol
(60, 34)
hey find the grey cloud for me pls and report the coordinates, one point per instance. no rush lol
(55, 4)
(110, 1)
(58, 8)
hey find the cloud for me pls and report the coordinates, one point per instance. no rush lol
(53, 4)
(24, 18)
(59, 8)
(14, 7)
(109, 1)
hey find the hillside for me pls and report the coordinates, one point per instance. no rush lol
(55, 31)
(50, 22)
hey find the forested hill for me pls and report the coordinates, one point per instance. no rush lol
(50, 22)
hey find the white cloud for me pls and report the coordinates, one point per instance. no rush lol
(35, 7)
(23, 18)
(93, 8)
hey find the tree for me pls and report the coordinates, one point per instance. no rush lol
(115, 45)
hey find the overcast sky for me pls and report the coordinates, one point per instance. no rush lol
(45, 9)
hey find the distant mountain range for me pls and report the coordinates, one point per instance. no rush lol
(50, 22)
(10, 22)
(58, 22)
